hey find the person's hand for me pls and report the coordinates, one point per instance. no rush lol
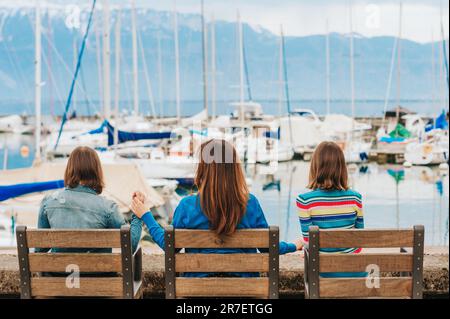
(138, 207)
(299, 244)
(139, 195)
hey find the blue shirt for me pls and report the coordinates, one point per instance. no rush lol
(189, 215)
(82, 208)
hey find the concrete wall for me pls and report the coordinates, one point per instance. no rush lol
(436, 269)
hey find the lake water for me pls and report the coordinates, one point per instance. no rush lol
(392, 195)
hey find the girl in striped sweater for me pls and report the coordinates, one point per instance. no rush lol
(330, 204)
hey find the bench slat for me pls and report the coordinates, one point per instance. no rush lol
(222, 262)
(400, 287)
(89, 287)
(57, 262)
(359, 262)
(222, 287)
(254, 238)
(377, 238)
(92, 238)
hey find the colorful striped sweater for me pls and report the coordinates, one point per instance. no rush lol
(333, 209)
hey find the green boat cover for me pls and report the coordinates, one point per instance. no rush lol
(400, 131)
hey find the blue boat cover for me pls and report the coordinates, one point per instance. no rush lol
(129, 136)
(439, 123)
(392, 139)
(272, 134)
(12, 191)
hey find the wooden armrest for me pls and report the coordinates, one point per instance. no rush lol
(305, 246)
(137, 264)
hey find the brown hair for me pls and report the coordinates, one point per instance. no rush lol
(84, 168)
(221, 186)
(328, 170)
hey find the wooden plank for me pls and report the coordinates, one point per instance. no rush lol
(222, 262)
(367, 238)
(400, 287)
(58, 262)
(359, 262)
(222, 287)
(89, 287)
(89, 238)
(252, 238)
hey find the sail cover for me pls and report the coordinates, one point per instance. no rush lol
(121, 180)
(439, 123)
(129, 136)
(11, 191)
(400, 132)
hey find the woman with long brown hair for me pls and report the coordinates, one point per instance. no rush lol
(79, 205)
(223, 203)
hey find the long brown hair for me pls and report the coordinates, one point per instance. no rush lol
(84, 168)
(328, 170)
(221, 186)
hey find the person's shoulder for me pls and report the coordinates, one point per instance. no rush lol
(53, 196)
(304, 197)
(252, 201)
(189, 200)
(252, 198)
(188, 207)
(351, 192)
(189, 204)
(108, 204)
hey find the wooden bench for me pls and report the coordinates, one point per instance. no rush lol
(257, 287)
(124, 269)
(407, 262)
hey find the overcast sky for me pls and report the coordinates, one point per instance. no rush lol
(421, 18)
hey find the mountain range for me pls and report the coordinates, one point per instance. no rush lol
(305, 60)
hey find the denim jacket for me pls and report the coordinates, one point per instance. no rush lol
(82, 208)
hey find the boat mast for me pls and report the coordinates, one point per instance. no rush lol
(117, 80)
(442, 88)
(147, 78)
(160, 76)
(286, 85)
(106, 62)
(433, 71)
(352, 69)
(391, 73)
(49, 65)
(75, 58)
(135, 59)
(99, 63)
(328, 67)
(444, 58)
(205, 60)
(399, 56)
(213, 67)
(177, 62)
(241, 68)
(280, 75)
(37, 82)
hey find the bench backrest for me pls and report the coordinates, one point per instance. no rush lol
(407, 262)
(258, 287)
(123, 266)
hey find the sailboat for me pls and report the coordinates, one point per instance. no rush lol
(305, 130)
(432, 146)
(14, 124)
(21, 190)
(262, 146)
(355, 148)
